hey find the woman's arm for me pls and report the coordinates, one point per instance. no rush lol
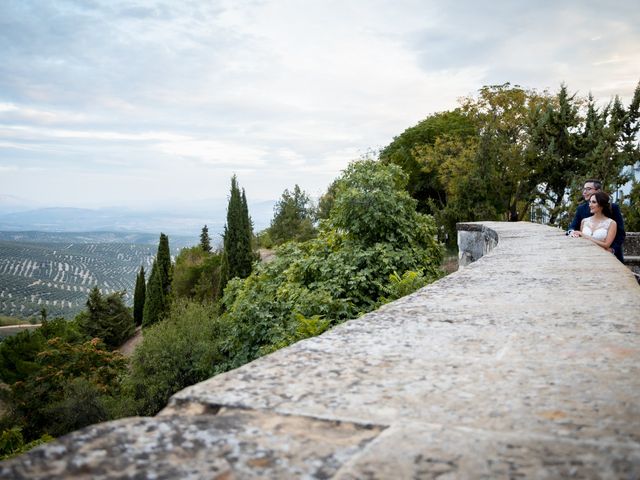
(611, 235)
(578, 233)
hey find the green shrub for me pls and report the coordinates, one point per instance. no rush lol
(400, 286)
(12, 443)
(178, 351)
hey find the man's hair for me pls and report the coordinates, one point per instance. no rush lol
(597, 184)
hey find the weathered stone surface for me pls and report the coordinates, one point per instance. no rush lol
(234, 443)
(525, 363)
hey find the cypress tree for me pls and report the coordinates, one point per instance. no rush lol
(238, 254)
(163, 258)
(205, 241)
(155, 304)
(139, 297)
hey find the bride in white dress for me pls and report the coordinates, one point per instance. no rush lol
(599, 227)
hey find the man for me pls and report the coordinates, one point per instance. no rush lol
(591, 186)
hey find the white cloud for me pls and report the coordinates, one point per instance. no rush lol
(142, 98)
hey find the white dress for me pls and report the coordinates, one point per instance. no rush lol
(596, 230)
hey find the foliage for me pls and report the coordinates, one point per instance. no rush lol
(205, 241)
(12, 443)
(107, 318)
(18, 353)
(6, 320)
(163, 260)
(293, 218)
(154, 303)
(179, 351)
(237, 238)
(405, 284)
(630, 209)
(52, 390)
(373, 230)
(197, 274)
(325, 204)
(139, 297)
(509, 151)
(424, 184)
(302, 328)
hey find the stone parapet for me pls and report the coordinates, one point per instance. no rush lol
(525, 363)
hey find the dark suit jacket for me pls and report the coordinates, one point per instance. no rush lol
(583, 212)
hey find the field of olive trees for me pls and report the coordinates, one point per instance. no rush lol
(58, 276)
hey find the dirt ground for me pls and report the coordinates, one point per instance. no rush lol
(130, 345)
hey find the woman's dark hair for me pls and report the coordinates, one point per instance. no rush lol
(603, 200)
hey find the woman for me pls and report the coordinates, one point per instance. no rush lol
(599, 227)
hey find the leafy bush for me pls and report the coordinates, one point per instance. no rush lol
(53, 383)
(176, 352)
(400, 286)
(12, 443)
(196, 274)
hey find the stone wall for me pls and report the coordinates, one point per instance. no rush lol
(525, 363)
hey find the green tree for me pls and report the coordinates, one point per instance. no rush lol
(41, 402)
(163, 259)
(238, 252)
(155, 304)
(293, 218)
(139, 297)
(18, 355)
(373, 230)
(424, 183)
(325, 204)
(197, 275)
(107, 318)
(205, 241)
(630, 208)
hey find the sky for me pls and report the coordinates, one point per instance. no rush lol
(151, 103)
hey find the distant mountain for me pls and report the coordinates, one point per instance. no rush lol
(11, 204)
(186, 221)
(176, 241)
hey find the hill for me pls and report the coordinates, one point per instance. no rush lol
(57, 270)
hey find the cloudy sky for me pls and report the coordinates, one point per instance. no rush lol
(125, 103)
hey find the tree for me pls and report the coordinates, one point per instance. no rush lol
(373, 230)
(293, 218)
(158, 289)
(196, 274)
(68, 388)
(205, 241)
(155, 304)
(424, 183)
(107, 318)
(139, 297)
(238, 253)
(163, 259)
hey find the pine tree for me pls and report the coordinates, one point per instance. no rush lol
(292, 218)
(238, 254)
(155, 304)
(205, 241)
(139, 297)
(107, 318)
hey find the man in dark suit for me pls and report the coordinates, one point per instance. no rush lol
(591, 186)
